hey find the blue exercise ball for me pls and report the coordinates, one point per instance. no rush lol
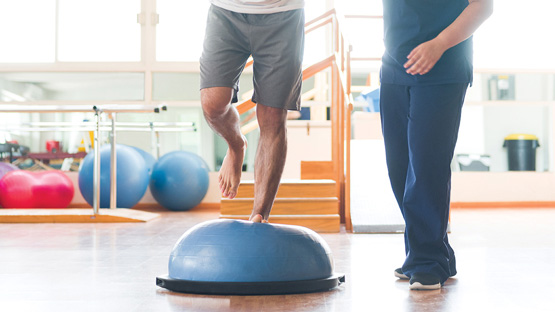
(149, 159)
(179, 180)
(132, 177)
(243, 251)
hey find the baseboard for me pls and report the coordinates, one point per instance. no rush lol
(512, 204)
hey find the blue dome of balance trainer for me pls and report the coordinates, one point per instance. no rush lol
(243, 251)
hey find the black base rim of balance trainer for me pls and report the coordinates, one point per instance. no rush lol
(250, 288)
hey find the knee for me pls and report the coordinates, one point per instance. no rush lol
(215, 107)
(271, 120)
(215, 102)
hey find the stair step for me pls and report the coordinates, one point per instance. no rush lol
(283, 206)
(318, 223)
(316, 170)
(293, 189)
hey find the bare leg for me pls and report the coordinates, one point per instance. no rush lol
(270, 159)
(223, 118)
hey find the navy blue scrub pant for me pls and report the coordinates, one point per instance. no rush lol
(420, 126)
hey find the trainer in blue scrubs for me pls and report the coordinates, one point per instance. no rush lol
(426, 69)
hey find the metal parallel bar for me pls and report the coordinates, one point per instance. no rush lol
(153, 142)
(96, 166)
(102, 129)
(121, 124)
(113, 164)
(157, 144)
(48, 107)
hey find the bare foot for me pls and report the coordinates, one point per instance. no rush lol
(259, 219)
(230, 172)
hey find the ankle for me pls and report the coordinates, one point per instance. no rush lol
(237, 145)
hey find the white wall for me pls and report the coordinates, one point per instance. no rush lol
(307, 140)
(510, 186)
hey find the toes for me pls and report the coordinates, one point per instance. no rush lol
(224, 189)
(233, 191)
(257, 218)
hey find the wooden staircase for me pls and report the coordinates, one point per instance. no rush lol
(308, 203)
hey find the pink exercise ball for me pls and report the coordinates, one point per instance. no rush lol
(42, 189)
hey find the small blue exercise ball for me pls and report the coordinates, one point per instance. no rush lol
(179, 180)
(149, 159)
(131, 173)
(243, 251)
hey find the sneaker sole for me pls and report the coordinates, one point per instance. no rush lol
(418, 286)
(401, 276)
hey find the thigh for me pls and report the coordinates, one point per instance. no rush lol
(216, 98)
(394, 111)
(435, 113)
(225, 49)
(277, 44)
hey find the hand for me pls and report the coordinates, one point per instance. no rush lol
(423, 58)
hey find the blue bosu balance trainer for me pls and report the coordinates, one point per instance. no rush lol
(234, 257)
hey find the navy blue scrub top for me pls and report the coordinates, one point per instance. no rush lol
(408, 23)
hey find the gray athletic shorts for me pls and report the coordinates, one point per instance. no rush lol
(276, 42)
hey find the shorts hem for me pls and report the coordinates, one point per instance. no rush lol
(290, 107)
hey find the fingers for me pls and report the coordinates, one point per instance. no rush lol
(418, 63)
(410, 62)
(418, 67)
(423, 58)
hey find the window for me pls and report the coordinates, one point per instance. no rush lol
(27, 31)
(517, 35)
(180, 32)
(99, 31)
(364, 34)
(71, 86)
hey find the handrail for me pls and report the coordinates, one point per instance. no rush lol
(318, 67)
(309, 29)
(331, 12)
(308, 72)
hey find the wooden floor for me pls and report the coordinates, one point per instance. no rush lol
(505, 261)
